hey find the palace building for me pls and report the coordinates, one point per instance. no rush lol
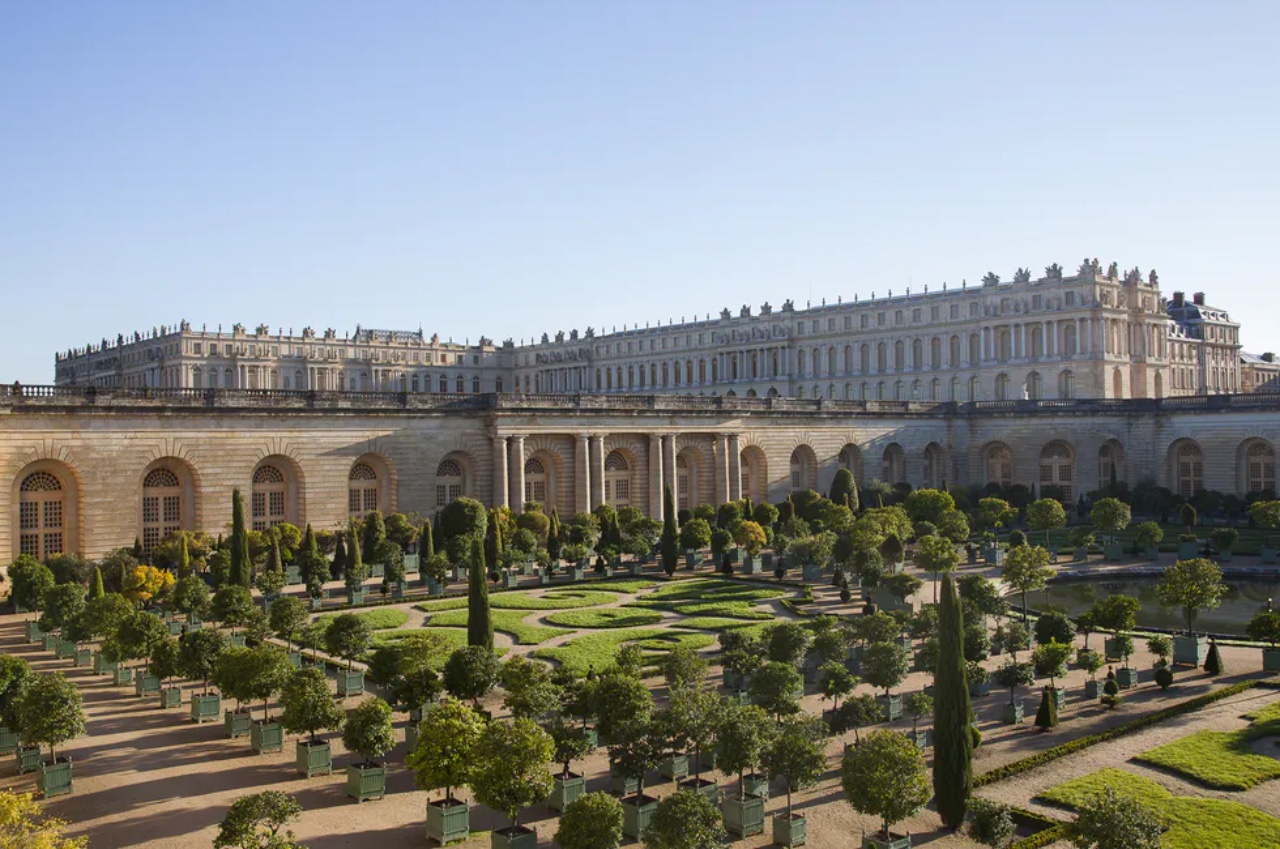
(1074, 382)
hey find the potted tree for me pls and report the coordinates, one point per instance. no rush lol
(795, 754)
(1188, 543)
(1050, 660)
(30, 580)
(288, 616)
(348, 637)
(885, 666)
(511, 773)
(1193, 585)
(1090, 661)
(777, 688)
(1080, 539)
(1265, 627)
(63, 605)
(1025, 569)
(265, 670)
(743, 733)
(979, 679)
(1111, 515)
(164, 664)
(1013, 675)
(191, 598)
(690, 720)
(198, 653)
(15, 675)
(637, 750)
(1266, 515)
(1117, 614)
(1148, 535)
(920, 704)
(101, 619)
(136, 639)
(594, 821)
(445, 759)
(1224, 540)
(571, 743)
(49, 711)
(306, 708)
(685, 820)
(357, 571)
(1161, 647)
(862, 776)
(232, 606)
(1126, 675)
(368, 733)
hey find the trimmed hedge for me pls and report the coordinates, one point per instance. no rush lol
(1041, 839)
(1081, 743)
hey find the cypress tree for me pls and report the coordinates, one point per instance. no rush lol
(1213, 663)
(479, 625)
(493, 543)
(669, 544)
(375, 533)
(1047, 714)
(356, 570)
(427, 545)
(184, 559)
(952, 714)
(138, 553)
(339, 567)
(553, 535)
(96, 590)
(840, 486)
(241, 563)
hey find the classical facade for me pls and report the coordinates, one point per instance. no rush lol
(88, 469)
(1093, 334)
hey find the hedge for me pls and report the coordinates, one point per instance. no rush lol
(1041, 839)
(1081, 743)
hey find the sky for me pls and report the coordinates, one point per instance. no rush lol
(510, 168)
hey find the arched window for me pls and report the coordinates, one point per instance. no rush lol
(934, 466)
(851, 458)
(999, 463)
(864, 358)
(459, 386)
(973, 388)
(898, 356)
(161, 506)
(535, 481)
(684, 483)
(450, 482)
(1117, 384)
(745, 472)
(41, 515)
(1002, 387)
(617, 479)
(1057, 468)
(1190, 469)
(1067, 384)
(954, 351)
(270, 493)
(475, 386)
(953, 389)
(804, 468)
(1037, 341)
(917, 354)
(831, 360)
(1069, 339)
(1033, 386)
(801, 359)
(848, 359)
(975, 349)
(935, 353)
(935, 388)
(893, 466)
(362, 490)
(882, 357)
(1260, 465)
(1110, 461)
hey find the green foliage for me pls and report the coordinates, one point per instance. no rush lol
(796, 753)
(479, 622)
(1110, 514)
(1148, 534)
(741, 736)
(685, 820)
(885, 777)
(1264, 627)
(990, 823)
(858, 712)
(885, 665)
(165, 659)
(836, 681)
(506, 621)
(15, 676)
(777, 688)
(1193, 585)
(348, 636)
(1213, 663)
(288, 616)
(49, 710)
(241, 561)
(530, 691)
(198, 653)
(1054, 626)
(306, 704)
(63, 605)
(953, 713)
(606, 618)
(30, 580)
(1116, 613)
(255, 822)
(592, 821)
(600, 650)
(511, 766)
(695, 534)
(1046, 515)
(1013, 675)
(1112, 821)
(787, 642)
(936, 554)
(668, 545)
(617, 702)
(1026, 568)
(471, 673)
(232, 605)
(462, 521)
(843, 486)
(367, 729)
(993, 513)
(683, 667)
(445, 758)
(1047, 713)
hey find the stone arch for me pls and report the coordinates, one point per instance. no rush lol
(455, 478)
(619, 477)
(47, 494)
(755, 473)
(997, 463)
(1111, 463)
(275, 492)
(166, 500)
(1186, 467)
(893, 464)
(1057, 468)
(850, 457)
(1117, 383)
(543, 472)
(803, 468)
(692, 465)
(935, 466)
(369, 485)
(1257, 466)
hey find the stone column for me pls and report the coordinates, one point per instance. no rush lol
(655, 476)
(582, 488)
(669, 468)
(517, 473)
(722, 468)
(597, 470)
(735, 467)
(501, 483)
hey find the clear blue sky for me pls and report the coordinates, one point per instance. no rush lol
(513, 168)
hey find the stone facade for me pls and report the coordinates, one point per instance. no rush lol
(1060, 336)
(88, 470)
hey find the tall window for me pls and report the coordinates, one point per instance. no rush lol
(161, 506)
(1033, 386)
(1067, 384)
(535, 481)
(1110, 456)
(449, 482)
(1261, 463)
(804, 471)
(893, 464)
(934, 469)
(40, 515)
(1002, 387)
(1057, 468)
(1190, 469)
(617, 479)
(683, 479)
(362, 490)
(269, 491)
(999, 465)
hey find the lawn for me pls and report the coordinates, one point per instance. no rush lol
(1222, 759)
(706, 589)
(598, 651)
(507, 621)
(379, 618)
(1194, 823)
(732, 609)
(610, 617)
(552, 600)
(622, 585)
(718, 623)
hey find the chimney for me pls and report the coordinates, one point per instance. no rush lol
(1268, 357)
(1179, 299)
(1198, 299)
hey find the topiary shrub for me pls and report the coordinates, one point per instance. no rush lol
(1047, 713)
(1213, 663)
(990, 823)
(1164, 677)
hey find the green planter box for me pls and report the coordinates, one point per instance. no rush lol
(891, 707)
(674, 767)
(637, 811)
(350, 682)
(434, 587)
(1225, 556)
(1092, 690)
(49, 642)
(316, 603)
(1111, 649)
(690, 559)
(1127, 677)
(237, 641)
(205, 708)
(756, 784)
(412, 564)
(790, 830)
(34, 634)
(1080, 555)
(1271, 660)
(565, 791)
(704, 787)
(700, 762)
(170, 697)
(28, 758)
(66, 650)
(513, 837)
(876, 841)
(54, 779)
(84, 658)
(510, 580)
(979, 690)
(743, 817)
(448, 821)
(194, 622)
(1151, 553)
(236, 723)
(922, 738)
(1188, 550)
(122, 675)
(292, 576)
(1013, 713)
(1270, 554)
(576, 573)
(622, 785)
(8, 741)
(366, 781)
(146, 685)
(811, 573)
(1112, 551)
(1190, 651)
(1060, 697)
(355, 596)
(993, 556)
(295, 658)
(175, 627)
(458, 573)
(266, 737)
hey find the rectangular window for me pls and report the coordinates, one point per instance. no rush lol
(172, 509)
(973, 310)
(865, 320)
(29, 544)
(880, 319)
(53, 514)
(934, 313)
(915, 315)
(848, 322)
(1069, 299)
(353, 501)
(370, 500)
(29, 516)
(1037, 302)
(897, 316)
(831, 324)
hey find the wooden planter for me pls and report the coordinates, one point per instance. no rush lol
(1127, 677)
(28, 758)
(674, 767)
(703, 787)
(366, 781)
(175, 627)
(1113, 551)
(1013, 713)
(1080, 555)
(576, 573)
(1269, 554)
(690, 559)
(993, 556)
(54, 779)
(513, 837)
(1060, 697)
(881, 841)
(355, 596)
(978, 690)
(34, 634)
(1151, 553)
(1190, 651)
(891, 707)
(292, 576)
(1188, 550)
(266, 737)
(637, 811)
(565, 791)
(237, 641)
(205, 708)
(743, 817)
(1092, 690)
(49, 642)
(756, 784)
(510, 580)
(350, 682)
(1111, 648)
(1271, 659)
(236, 723)
(790, 830)
(317, 603)
(66, 650)
(170, 697)
(922, 738)
(84, 658)
(146, 685)
(811, 573)
(8, 741)
(448, 820)
(122, 675)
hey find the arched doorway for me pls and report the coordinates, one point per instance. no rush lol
(617, 479)
(162, 493)
(935, 473)
(804, 468)
(1057, 469)
(42, 514)
(1259, 466)
(1110, 464)
(362, 490)
(1188, 468)
(998, 462)
(893, 465)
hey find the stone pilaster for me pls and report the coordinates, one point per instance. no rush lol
(582, 483)
(501, 484)
(517, 473)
